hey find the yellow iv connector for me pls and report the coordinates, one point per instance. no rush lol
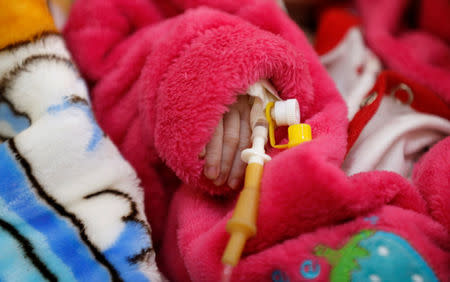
(242, 225)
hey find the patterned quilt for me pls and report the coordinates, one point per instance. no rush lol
(71, 208)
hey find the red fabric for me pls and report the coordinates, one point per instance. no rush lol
(423, 100)
(363, 116)
(434, 18)
(160, 85)
(419, 51)
(333, 26)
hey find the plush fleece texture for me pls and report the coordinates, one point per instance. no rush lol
(162, 75)
(412, 38)
(161, 88)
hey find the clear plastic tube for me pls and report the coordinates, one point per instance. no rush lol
(226, 274)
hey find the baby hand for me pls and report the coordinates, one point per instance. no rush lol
(223, 152)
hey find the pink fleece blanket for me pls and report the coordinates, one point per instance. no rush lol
(413, 40)
(162, 75)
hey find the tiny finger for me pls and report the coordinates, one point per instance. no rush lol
(238, 169)
(231, 126)
(213, 154)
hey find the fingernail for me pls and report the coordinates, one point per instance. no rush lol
(211, 172)
(233, 183)
(220, 181)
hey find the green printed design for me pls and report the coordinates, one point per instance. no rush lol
(344, 260)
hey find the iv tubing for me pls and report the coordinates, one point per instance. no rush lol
(242, 225)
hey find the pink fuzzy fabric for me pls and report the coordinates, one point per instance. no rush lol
(300, 211)
(420, 52)
(160, 84)
(160, 87)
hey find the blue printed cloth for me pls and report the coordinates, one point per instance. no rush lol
(70, 206)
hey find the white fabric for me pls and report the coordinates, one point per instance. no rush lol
(394, 139)
(397, 135)
(70, 158)
(39, 47)
(342, 64)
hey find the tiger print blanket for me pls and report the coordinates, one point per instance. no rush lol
(71, 208)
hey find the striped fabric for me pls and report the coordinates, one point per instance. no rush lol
(70, 206)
